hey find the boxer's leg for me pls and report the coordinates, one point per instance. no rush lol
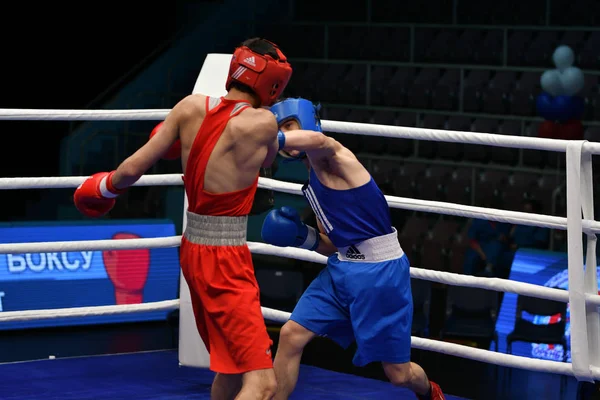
(225, 386)
(381, 312)
(319, 311)
(292, 340)
(258, 385)
(239, 341)
(408, 375)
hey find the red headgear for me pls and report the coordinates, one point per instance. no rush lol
(267, 76)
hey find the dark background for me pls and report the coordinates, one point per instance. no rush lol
(66, 58)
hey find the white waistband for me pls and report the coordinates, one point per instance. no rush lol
(216, 230)
(380, 248)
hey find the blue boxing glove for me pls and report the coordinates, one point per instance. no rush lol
(283, 228)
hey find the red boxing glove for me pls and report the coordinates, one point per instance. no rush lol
(96, 195)
(174, 152)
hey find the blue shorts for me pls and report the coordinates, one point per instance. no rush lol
(370, 303)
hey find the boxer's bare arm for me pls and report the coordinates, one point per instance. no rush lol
(132, 169)
(315, 142)
(328, 157)
(326, 247)
(259, 134)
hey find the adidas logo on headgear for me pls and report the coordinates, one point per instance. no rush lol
(354, 254)
(250, 60)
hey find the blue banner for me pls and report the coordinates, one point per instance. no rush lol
(87, 278)
(542, 268)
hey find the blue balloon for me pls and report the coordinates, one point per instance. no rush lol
(559, 108)
(563, 57)
(570, 107)
(551, 83)
(572, 81)
(563, 106)
(545, 106)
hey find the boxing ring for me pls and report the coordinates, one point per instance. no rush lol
(582, 294)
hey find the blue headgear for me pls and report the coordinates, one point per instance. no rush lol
(303, 111)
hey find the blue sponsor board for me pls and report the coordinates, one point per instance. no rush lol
(60, 279)
(544, 268)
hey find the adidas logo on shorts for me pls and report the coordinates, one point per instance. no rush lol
(250, 60)
(354, 254)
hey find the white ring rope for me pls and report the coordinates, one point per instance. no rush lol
(459, 210)
(488, 356)
(78, 312)
(491, 357)
(90, 245)
(496, 284)
(166, 305)
(354, 128)
(16, 114)
(440, 135)
(275, 315)
(514, 217)
(68, 182)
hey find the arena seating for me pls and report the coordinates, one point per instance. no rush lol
(476, 68)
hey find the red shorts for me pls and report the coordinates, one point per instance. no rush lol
(226, 303)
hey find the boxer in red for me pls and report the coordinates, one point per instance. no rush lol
(224, 143)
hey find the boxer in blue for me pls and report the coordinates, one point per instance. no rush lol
(364, 293)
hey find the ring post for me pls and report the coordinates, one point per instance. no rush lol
(579, 333)
(591, 274)
(192, 351)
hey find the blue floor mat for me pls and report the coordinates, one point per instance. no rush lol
(156, 375)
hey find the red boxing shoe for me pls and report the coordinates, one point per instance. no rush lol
(435, 393)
